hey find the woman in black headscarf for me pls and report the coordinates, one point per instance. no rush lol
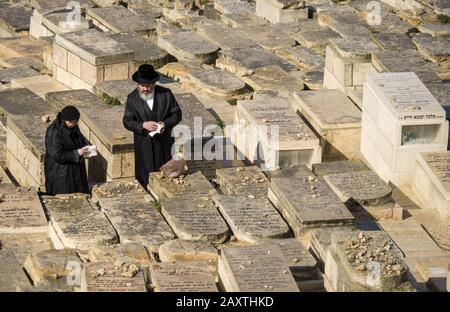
(65, 171)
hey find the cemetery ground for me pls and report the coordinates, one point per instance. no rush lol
(327, 120)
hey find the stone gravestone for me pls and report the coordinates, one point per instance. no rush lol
(400, 118)
(194, 217)
(182, 277)
(125, 252)
(24, 244)
(246, 181)
(335, 118)
(340, 166)
(134, 217)
(365, 261)
(307, 202)
(251, 219)
(282, 11)
(21, 210)
(54, 268)
(255, 269)
(112, 277)
(75, 224)
(8, 74)
(431, 182)
(187, 250)
(101, 124)
(268, 131)
(57, 22)
(12, 276)
(40, 85)
(83, 58)
(195, 184)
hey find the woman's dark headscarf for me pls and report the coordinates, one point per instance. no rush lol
(70, 113)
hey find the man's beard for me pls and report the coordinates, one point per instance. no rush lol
(146, 97)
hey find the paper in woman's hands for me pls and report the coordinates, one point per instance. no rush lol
(92, 151)
(158, 130)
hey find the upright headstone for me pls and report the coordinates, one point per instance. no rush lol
(400, 118)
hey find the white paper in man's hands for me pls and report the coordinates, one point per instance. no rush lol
(158, 130)
(92, 149)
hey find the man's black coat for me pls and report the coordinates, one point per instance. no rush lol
(151, 152)
(65, 171)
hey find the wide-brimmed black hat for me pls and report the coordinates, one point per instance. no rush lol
(146, 74)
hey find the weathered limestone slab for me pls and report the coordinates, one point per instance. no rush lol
(433, 49)
(76, 224)
(15, 18)
(365, 187)
(46, 6)
(303, 58)
(269, 124)
(123, 252)
(120, 19)
(21, 210)
(33, 61)
(26, 144)
(12, 276)
(225, 37)
(194, 218)
(110, 277)
(392, 23)
(251, 219)
(302, 264)
(195, 184)
(313, 80)
(255, 268)
(249, 180)
(144, 51)
(434, 271)
(182, 277)
(340, 166)
(98, 123)
(24, 244)
(400, 119)
(281, 11)
(268, 37)
(217, 83)
(219, 108)
(24, 46)
(306, 202)
(6, 75)
(435, 29)
(61, 22)
(430, 182)
(347, 62)
(392, 41)
(411, 238)
(134, 218)
(242, 20)
(315, 39)
(273, 78)
(441, 91)
(234, 7)
(245, 60)
(387, 61)
(54, 268)
(41, 85)
(365, 261)
(115, 90)
(335, 118)
(83, 58)
(188, 46)
(187, 250)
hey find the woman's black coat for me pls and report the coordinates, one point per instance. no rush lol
(151, 152)
(65, 171)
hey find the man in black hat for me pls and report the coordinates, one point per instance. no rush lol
(65, 171)
(151, 112)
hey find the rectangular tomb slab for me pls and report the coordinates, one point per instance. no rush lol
(21, 101)
(21, 210)
(75, 224)
(24, 244)
(307, 202)
(335, 118)
(269, 123)
(12, 276)
(135, 218)
(94, 47)
(255, 268)
(341, 166)
(182, 277)
(251, 219)
(194, 217)
(431, 181)
(107, 277)
(249, 180)
(195, 184)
